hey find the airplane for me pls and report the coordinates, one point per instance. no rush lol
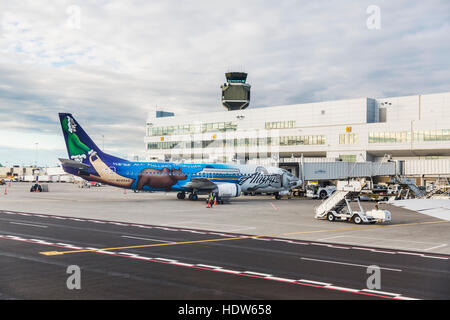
(87, 161)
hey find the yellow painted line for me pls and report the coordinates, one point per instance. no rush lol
(51, 253)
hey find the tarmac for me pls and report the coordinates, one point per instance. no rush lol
(250, 215)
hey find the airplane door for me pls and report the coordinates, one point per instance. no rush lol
(284, 180)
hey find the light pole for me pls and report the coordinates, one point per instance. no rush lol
(36, 159)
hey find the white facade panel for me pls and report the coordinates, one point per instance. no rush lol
(427, 167)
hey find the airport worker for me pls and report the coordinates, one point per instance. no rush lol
(211, 199)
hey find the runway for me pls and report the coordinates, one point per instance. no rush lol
(121, 260)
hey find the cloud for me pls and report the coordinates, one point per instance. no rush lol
(126, 58)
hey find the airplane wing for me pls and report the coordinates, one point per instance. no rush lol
(200, 184)
(74, 164)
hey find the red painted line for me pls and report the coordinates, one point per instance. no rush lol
(214, 270)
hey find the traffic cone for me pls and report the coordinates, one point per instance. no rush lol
(124, 191)
(209, 204)
(5, 192)
(215, 201)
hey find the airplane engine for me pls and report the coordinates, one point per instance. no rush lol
(228, 190)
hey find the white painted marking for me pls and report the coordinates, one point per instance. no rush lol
(280, 279)
(167, 260)
(258, 274)
(96, 221)
(167, 229)
(228, 271)
(128, 254)
(183, 264)
(342, 288)
(407, 298)
(339, 247)
(69, 246)
(263, 239)
(148, 239)
(381, 292)
(207, 266)
(359, 248)
(348, 264)
(40, 241)
(144, 258)
(382, 251)
(320, 244)
(325, 239)
(29, 224)
(315, 282)
(435, 257)
(118, 224)
(107, 252)
(436, 247)
(410, 253)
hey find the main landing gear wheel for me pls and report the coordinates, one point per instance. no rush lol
(277, 196)
(181, 195)
(193, 197)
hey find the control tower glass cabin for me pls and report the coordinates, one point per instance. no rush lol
(235, 92)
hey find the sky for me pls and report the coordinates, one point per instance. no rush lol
(110, 63)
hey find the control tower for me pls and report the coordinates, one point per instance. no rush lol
(235, 92)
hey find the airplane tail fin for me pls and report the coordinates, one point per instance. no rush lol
(78, 143)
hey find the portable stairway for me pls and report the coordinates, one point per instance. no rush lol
(337, 201)
(411, 186)
(433, 192)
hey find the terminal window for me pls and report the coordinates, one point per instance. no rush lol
(390, 137)
(348, 138)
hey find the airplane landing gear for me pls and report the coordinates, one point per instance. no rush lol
(193, 197)
(181, 195)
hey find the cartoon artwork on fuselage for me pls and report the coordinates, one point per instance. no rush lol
(159, 178)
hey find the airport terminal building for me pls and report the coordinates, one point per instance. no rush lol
(411, 128)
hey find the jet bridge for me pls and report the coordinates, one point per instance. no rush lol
(341, 170)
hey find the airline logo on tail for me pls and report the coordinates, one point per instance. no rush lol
(76, 148)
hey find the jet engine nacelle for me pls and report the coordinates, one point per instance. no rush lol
(228, 190)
